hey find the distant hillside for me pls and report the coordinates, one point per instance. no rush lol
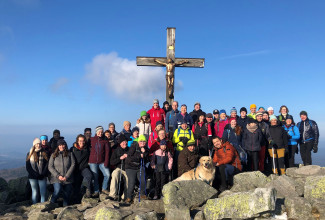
(9, 174)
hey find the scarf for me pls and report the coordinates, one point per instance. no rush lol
(251, 128)
(37, 165)
(77, 146)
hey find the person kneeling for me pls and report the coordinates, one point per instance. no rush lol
(162, 162)
(227, 162)
(134, 167)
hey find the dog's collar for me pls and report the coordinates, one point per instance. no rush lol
(200, 178)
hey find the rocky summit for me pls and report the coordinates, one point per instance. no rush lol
(300, 194)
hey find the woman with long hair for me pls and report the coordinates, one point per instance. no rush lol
(37, 168)
(61, 166)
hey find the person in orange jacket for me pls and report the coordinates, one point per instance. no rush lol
(227, 162)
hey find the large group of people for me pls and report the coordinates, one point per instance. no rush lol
(164, 144)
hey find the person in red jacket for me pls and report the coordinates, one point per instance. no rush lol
(227, 162)
(220, 125)
(99, 159)
(156, 114)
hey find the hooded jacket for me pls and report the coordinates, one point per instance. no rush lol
(195, 114)
(62, 166)
(252, 140)
(171, 121)
(157, 114)
(133, 161)
(308, 131)
(278, 136)
(293, 131)
(115, 159)
(187, 160)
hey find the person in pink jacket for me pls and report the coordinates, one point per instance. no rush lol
(156, 114)
(162, 163)
(219, 126)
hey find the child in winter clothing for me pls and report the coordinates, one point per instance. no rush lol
(143, 123)
(162, 163)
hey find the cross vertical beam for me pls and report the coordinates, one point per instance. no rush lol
(170, 55)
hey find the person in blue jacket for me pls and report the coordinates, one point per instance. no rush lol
(171, 120)
(183, 115)
(293, 137)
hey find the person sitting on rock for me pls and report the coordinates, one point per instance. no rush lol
(61, 166)
(227, 162)
(37, 169)
(118, 160)
(162, 163)
(138, 156)
(188, 158)
(82, 172)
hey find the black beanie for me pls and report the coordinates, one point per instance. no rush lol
(303, 113)
(243, 109)
(56, 131)
(121, 138)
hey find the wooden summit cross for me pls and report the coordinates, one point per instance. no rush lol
(170, 62)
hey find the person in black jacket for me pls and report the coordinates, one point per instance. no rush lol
(37, 168)
(134, 166)
(264, 127)
(118, 160)
(197, 111)
(277, 145)
(82, 171)
(87, 134)
(252, 138)
(242, 119)
(309, 137)
(53, 143)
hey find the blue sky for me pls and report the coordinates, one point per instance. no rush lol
(71, 64)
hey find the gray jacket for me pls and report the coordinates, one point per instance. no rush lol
(62, 166)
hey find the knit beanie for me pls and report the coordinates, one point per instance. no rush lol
(158, 123)
(142, 138)
(222, 111)
(261, 108)
(272, 117)
(233, 109)
(143, 113)
(155, 101)
(252, 106)
(44, 137)
(259, 113)
(134, 129)
(190, 143)
(36, 141)
(216, 111)
(56, 131)
(303, 113)
(121, 138)
(270, 108)
(165, 102)
(289, 117)
(126, 123)
(243, 109)
(163, 142)
(98, 128)
(62, 142)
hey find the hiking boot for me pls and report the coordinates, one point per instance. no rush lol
(95, 195)
(143, 197)
(105, 191)
(128, 201)
(88, 193)
(155, 198)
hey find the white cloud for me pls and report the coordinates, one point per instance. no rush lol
(123, 78)
(59, 84)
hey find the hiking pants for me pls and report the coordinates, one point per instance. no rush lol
(132, 176)
(277, 157)
(261, 156)
(252, 160)
(305, 152)
(290, 156)
(161, 180)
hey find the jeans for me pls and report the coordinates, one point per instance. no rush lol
(67, 189)
(38, 187)
(224, 173)
(106, 173)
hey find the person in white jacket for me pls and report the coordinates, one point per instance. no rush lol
(143, 123)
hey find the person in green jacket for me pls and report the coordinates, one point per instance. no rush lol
(253, 111)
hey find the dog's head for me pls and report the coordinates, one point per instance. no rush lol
(206, 162)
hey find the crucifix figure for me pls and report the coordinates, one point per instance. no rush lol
(170, 62)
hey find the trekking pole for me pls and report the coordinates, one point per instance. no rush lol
(119, 184)
(140, 178)
(273, 160)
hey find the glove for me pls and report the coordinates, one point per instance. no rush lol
(289, 137)
(181, 139)
(271, 142)
(185, 140)
(315, 148)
